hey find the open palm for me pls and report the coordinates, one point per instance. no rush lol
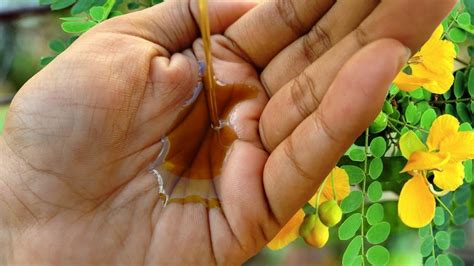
(80, 136)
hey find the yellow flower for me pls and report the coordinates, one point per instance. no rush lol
(432, 67)
(290, 231)
(443, 156)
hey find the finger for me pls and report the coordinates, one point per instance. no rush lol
(270, 27)
(302, 95)
(298, 165)
(327, 32)
(173, 24)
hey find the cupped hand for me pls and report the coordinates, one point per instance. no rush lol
(75, 185)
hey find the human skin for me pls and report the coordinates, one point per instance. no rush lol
(80, 134)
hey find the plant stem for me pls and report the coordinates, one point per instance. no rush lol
(319, 194)
(453, 101)
(364, 184)
(431, 233)
(393, 120)
(444, 206)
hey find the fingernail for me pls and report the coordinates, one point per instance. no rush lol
(405, 56)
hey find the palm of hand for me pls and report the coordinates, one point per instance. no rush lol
(102, 128)
(98, 113)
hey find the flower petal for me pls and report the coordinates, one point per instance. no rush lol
(460, 146)
(422, 161)
(341, 186)
(407, 82)
(416, 206)
(288, 233)
(443, 127)
(451, 177)
(410, 143)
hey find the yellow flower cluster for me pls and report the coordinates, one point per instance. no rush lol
(443, 155)
(431, 68)
(314, 228)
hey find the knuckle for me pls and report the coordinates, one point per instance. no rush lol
(289, 15)
(323, 127)
(316, 42)
(362, 36)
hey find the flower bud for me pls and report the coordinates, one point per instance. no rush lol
(308, 224)
(319, 235)
(330, 213)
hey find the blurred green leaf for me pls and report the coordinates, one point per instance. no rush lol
(357, 155)
(378, 255)
(62, 4)
(459, 84)
(439, 217)
(77, 27)
(442, 240)
(426, 247)
(378, 233)
(352, 251)
(458, 238)
(457, 35)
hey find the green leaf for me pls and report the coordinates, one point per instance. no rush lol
(430, 261)
(449, 109)
(356, 174)
(380, 123)
(411, 113)
(72, 19)
(468, 171)
(417, 94)
(387, 108)
(46, 2)
(465, 127)
(133, 6)
(374, 192)
(428, 118)
(464, 19)
(358, 261)
(463, 112)
(357, 155)
(456, 260)
(77, 27)
(45, 60)
(81, 6)
(460, 215)
(409, 143)
(350, 226)
(426, 247)
(462, 194)
(442, 240)
(378, 146)
(375, 213)
(470, 83)
(155, 2)
(352, 251)
(98, 13)
(375, 168)
(378, 233)
(459, 84)
(352, 202)
(57, 46)
(424, 231)
(378, 255)
(439, 217)
(61, 4)
(443, 260)
(458, 238)
(457, 35)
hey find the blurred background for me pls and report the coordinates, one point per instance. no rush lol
(25, 30)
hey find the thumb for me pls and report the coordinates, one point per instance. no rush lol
(299, 164)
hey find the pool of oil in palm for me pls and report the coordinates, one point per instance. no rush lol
(191, 160)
